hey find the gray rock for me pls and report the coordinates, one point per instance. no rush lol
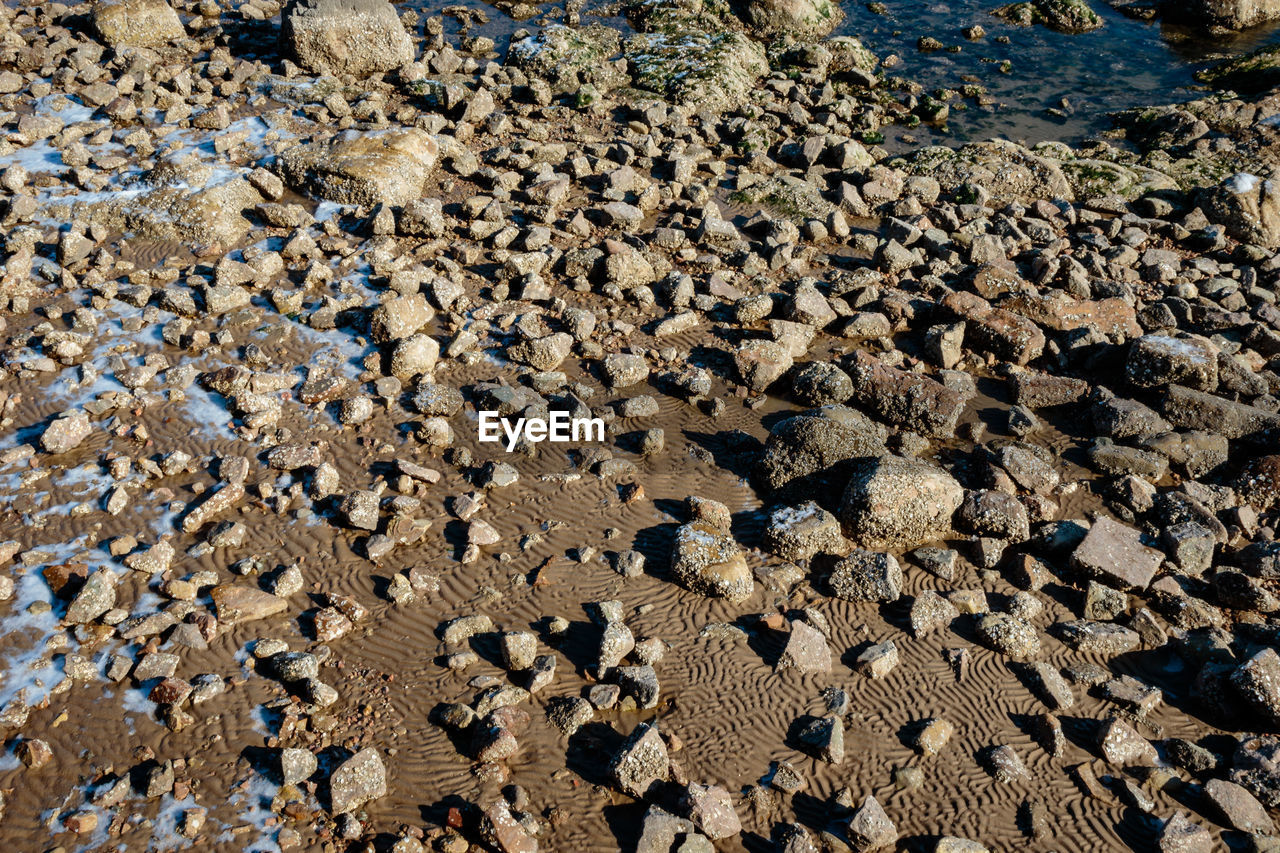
(641, 684)
(1102, 603)
(1190, 545)
(297, 765)
(616, 642)
(1006, 766)
(1239, 809)
(877, 660)
(1248, 206)
(798, 533)
(1257, 682)
(660, 829)
(505, 832)
(136, 23)
(804, 19)
(543, 353)
(761, 363)
(1122, 745)
(1084, 635)
(929, 612)
(955, 844)
(994, 514)
(870, 827)
(559, 54)
(518, 649)
(1191, 409)
(95, 597)
(904, 398)
(1159, 360)
(708, 561)
(824, 738)
(366, 168)
(623, 370)
(804, 451)
(1064, 16)
(892, 502)
(641, 762)
(806, 650)
(820, 383)
(1008, 635)
(294, 666)
(933, 736)
(1180, 835)
(1050, 686)
(335, 37)
(360, 510)
(65, 432)
(569, 713)
(463, 628)
(360, 779)
(711, 809)
(1115, 554)
(867, 576)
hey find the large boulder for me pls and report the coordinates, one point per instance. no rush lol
(136, 23)
(567, 56)
(202, 206)
(1091, 177)
(1065, 16)
(382, 167)
(1158, 360)
(714, 70)
(1009, 172)
(893, 502)
(1115, 554)
(901, 397)
(1248, 206)
(357, 37)
(1228, 14)
(803, 19)
(809, 450)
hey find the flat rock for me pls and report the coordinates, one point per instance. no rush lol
(1114, 553)
(364, 168)
(1239, 809)
(360, 779)
(708, 561)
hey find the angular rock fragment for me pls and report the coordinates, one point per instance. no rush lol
(360, 779)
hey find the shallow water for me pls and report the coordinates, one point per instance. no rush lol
(1127, 63)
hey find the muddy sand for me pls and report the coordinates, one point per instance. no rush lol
(934, 499)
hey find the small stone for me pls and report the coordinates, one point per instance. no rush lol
(806, 650)
(360, 779)
(641, 762)
(933, 736)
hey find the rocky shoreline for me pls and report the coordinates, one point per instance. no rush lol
(937, 503)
